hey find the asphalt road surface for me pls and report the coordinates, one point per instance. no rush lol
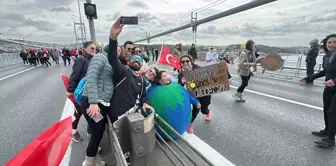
(271, 128)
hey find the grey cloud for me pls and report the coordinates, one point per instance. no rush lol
(145, 17)
(313, 25)
(14, 17)
(138, 4)
(20, 20)
(60, 9)
(113, 17)
(116, 15)
(184, 35)
(53, 3)
(321, 18)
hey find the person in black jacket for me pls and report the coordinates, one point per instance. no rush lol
(329, 93)
(131, 87)
(24, 56)
(79, 71)
(192, 52)
(187, 64)
(311, 58)
(66, 56)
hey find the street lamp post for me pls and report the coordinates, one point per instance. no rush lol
(91, 13)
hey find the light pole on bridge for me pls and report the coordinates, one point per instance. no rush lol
(91, 13)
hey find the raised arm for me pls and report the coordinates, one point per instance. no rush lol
(120, 70)
(113, 57)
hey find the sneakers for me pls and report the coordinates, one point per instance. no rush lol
(208, 116)
(93, 161)
(190, 129)
(321, 133)
(76, 137)
(238, 97)
(325, 143)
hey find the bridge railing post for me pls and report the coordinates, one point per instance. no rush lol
(134, 134)
(115, 144)
(142, 139)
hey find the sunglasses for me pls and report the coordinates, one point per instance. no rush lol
(129, 49)
(93, 49)
(186, 61)
(136, 58)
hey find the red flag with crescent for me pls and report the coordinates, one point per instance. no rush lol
(48, 149)
(167, 58)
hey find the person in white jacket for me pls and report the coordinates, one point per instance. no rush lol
(211, 56)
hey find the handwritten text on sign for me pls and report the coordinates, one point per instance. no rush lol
(207, 80)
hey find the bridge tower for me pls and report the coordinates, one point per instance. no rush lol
(147, 36)
(194, 25)
(80, 33)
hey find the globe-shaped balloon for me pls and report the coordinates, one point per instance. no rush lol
(172, 103)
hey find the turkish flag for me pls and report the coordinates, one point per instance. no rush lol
(48, 149)
(167, 58)
(65, 82)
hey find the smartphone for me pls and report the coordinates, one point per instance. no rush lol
(97, 118)
(129, 20)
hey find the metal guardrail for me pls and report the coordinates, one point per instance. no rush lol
(7, 59)
(138, 135)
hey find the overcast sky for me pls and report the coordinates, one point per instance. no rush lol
(280, 23)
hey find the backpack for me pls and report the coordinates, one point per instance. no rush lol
(79, 90)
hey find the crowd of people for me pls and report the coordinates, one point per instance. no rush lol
(115, 83)
(34, 57)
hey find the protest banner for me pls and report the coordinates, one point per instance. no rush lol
(207, 80)
(272, 62)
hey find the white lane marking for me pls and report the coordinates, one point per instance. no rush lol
(282, 99)
(3, 78)
(67, 111)
(280, 79)
(208, 152)
(273, 97)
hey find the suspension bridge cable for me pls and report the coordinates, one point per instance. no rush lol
(212, 4)
(219, 2)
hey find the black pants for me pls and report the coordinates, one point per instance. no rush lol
(205, 102)
(329, 110)
(65, 58)
(245, 80)
(78, 115)
(45, 61)
(310, 70)
(33, 61)
(98, 129)
(25, 60)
